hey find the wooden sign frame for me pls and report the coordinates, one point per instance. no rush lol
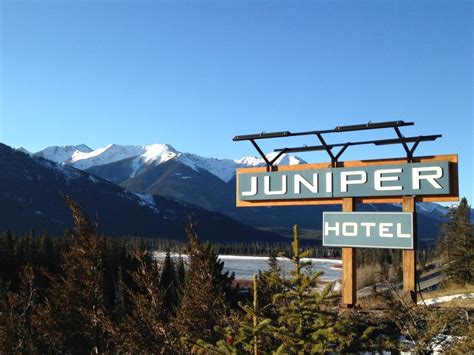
(349, 256)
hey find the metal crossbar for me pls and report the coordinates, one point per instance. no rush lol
(343, 146)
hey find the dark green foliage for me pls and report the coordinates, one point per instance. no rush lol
(169, 286)
(456, 244)
(88, 293)
(290, 316)
(143, 329)
(76, 300)
(305, 323)
(203, 302)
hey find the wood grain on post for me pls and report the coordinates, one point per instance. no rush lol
(349, 265)
(409, 256)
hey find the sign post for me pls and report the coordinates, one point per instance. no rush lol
(409, 255)
(404, 180)
(349, 264)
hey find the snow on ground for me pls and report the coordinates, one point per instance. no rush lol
(106, 155)
(147, 201)
(93, 179)
(224, 169)
(68, 172)
(159, 254)
(443, 299)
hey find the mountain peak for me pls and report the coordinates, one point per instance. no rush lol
(82, 157)
(284, 159)
(62, 154)
(158, 153)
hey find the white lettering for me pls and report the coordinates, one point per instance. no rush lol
(345, 181)
(299, 180)
(384, 229)
(335, 229)
(367, 226)
(345, 231)
(267, 187)
(399, 232)
(329, 182)
(378, 179)
(253, 187)
(437, 173)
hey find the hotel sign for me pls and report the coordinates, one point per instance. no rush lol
(316, 182)
(390, 230)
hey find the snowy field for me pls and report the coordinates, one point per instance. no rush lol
(246, 266)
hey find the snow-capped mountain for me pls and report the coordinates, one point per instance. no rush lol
(31, 190)
(161, 170)
(62, 154)
(142, 157)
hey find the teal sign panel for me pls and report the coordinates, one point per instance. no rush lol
(389, 230)
(366, 181)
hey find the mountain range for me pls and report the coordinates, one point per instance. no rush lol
(159, 170)
(32, 190)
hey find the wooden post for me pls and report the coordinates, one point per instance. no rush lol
(409, 256)
(349, 265)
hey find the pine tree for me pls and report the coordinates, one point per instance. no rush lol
(180, 272)
(142, 329)
(73, 316)
(247, 333)
(457, 244)
(169, 284)
(270, 283)
(304, 324)
(203, 302)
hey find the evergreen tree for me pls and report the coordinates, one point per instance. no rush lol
(457, 244)
(203, 302)
(304, 324)
(247, 333)
(169, 284)
(180, 272)
(143, 329)
(270, 283)
(73, 316)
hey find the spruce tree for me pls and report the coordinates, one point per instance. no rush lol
(73, 316)
(143, 329)
(457, 244)
(203, 302)
(304, 324)
(168, 284)
(247, 333)
(270, 283)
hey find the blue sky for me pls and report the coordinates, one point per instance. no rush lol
(195, 73)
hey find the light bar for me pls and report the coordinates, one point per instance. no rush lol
(313, 148)
(343, 146)
(408, 139)
(370, 125)
(262, 136)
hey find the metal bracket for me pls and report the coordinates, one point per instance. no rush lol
(269, 163)
(343, 146)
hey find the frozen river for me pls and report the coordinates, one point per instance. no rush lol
(246, 266)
